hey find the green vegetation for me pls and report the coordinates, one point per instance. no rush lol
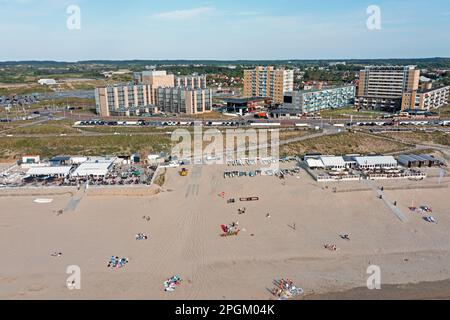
(24, 90)
(5, 126)
(343, 143)
(85, 104)
(296, 133)
(334, 75)
(444, 111)
(421, 137)
(13, 147)
(30, 71)
(350, 111)
(42, 129)
(126, 130)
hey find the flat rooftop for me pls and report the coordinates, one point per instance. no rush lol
(432, 89)
(49, 171)
(94, 167)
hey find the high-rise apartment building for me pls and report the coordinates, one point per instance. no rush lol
(268, 82)
(191, 82)
(382, 87)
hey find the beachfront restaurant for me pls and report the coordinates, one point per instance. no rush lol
(314, 164)
(333, 163)
(376, 162)
(56, 172)
(97, 167)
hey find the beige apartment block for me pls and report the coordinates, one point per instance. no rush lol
(123, 99)
(156, 79)
(192, 82)
(268, 82)
(137, 99)
(426, 99)
(184, 100)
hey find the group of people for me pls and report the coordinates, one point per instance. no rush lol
(117, 262)
(424, 210)
(231, 229)
(285, 289)
(333, 247)
(171, 283)
(141, 236)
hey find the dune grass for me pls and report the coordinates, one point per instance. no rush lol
(343, 143)
(418, 137)
(15, 147)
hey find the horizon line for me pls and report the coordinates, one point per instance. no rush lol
(220, 60)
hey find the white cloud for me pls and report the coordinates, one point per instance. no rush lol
(183, 14)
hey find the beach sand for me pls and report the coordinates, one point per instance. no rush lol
(184, 239)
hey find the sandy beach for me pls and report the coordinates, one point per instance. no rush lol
(184, 238)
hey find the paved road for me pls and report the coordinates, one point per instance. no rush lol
(43, 120)
(390, 204)
(76, 199)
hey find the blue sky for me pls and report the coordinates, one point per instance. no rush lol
(223, 29)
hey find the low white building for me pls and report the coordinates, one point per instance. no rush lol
(315, 163)
(49, 171)
(78, 160)
(96, 167)
(333, 163)
(47, 82)
(155, 159)
(376, 162)
(31, 159)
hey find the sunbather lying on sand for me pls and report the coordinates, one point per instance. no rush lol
(116, 262)
(141, 236)
(231, 229)
(171, 283)
(285, 289)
